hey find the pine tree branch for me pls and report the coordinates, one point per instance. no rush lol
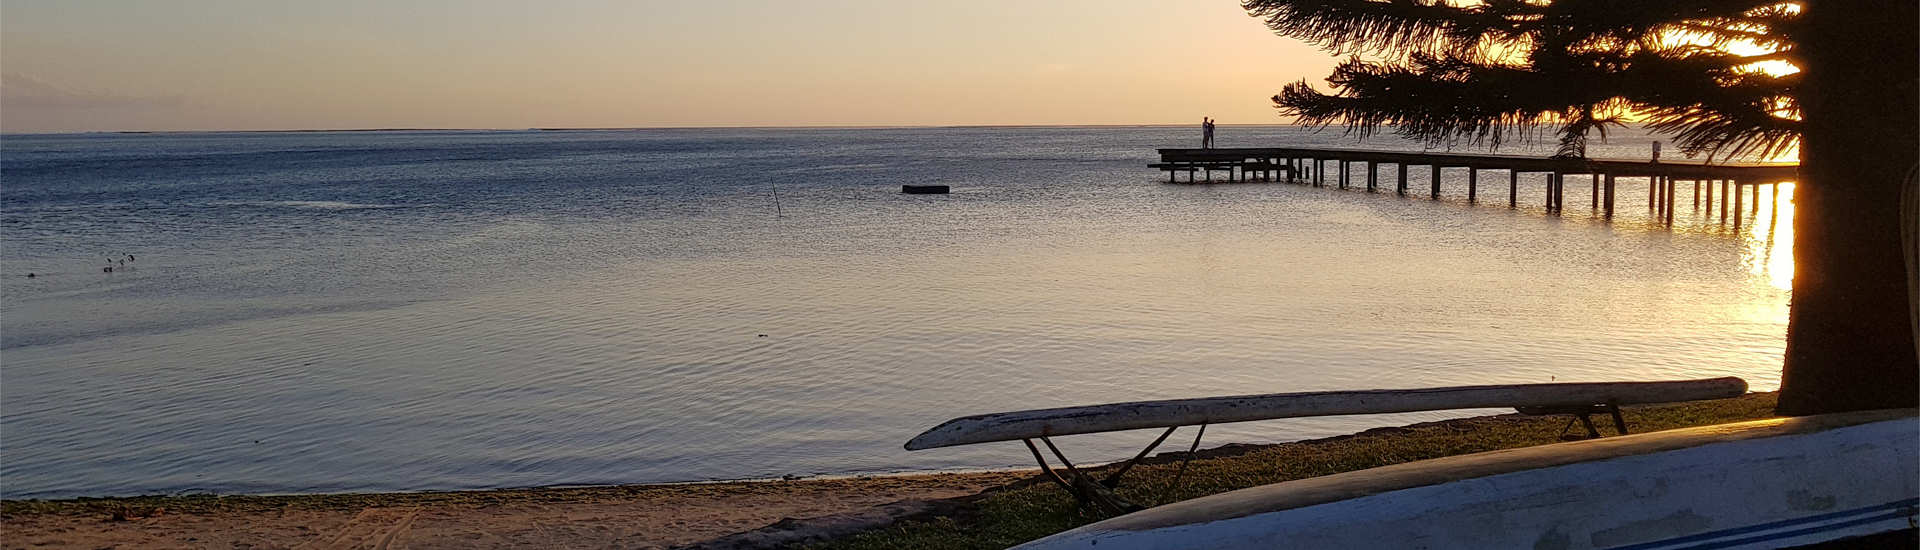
(1490, 71)
(1394, 27)
(1451, 100)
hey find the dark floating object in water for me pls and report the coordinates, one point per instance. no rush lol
(924, 189)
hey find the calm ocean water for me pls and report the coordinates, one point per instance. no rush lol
(317, 312)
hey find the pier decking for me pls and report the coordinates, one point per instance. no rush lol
(1303, 165)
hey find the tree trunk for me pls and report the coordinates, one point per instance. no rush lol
(1850, 338)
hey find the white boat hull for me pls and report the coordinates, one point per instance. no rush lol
(1765, 484)
(1110, 417)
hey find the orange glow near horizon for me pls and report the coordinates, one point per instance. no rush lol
(74, 66)
(223, 64)
(1740, 47)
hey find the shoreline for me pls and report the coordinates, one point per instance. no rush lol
(675, 514)
(649, 516)
(37, 505)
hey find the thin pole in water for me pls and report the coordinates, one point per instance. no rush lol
(777, 211)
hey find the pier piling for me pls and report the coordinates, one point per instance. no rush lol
(1559, 192)
(1727, 195)
(1513, 188)
(1738, 196)
(1595, 191)
(1660, 198)
(1671, 187)
(1550, 176)
(1473, 184)
(1773, 206)
(1609, 196)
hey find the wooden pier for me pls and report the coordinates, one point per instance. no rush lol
(1310, 166)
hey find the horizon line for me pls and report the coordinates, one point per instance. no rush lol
(627, 128)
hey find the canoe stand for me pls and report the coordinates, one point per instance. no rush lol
(1583, 415)
(1100, 497)
(1579, 400)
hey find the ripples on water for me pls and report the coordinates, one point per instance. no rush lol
(441, 310)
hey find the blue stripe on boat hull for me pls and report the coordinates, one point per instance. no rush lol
(1843, 519)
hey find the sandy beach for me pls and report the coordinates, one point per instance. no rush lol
(655, 516)
(665, 516)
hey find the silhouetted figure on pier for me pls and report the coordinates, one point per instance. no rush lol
(1206, 133)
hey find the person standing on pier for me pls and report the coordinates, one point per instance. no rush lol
(1206, 133)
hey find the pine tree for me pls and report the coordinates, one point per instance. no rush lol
(1704, 72)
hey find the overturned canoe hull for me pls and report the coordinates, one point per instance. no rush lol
(1009, 426)
(1763, 484)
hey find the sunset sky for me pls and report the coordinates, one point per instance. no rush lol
(217, 65)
